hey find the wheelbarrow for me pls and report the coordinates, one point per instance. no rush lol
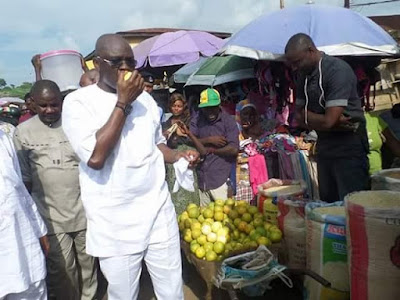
(208, 271)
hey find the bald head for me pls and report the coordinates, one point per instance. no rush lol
(113, 54)
(299, 42)
(47, 100)
(90, 77)
(301, 53)
(111, 45)
(44, 86)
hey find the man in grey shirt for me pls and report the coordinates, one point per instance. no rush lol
(49, 170)
(327, 102)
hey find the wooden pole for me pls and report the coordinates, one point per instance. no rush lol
(282, 4)
(347, 3)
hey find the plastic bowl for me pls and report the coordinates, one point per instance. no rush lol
(63, 67)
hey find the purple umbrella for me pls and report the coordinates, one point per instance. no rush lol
(176, 48)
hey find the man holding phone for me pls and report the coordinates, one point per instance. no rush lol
(327, 102)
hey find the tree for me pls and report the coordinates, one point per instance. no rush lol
(3, 83)
(15, 91)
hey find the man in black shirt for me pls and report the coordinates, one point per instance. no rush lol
(327, 101)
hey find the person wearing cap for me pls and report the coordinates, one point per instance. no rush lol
(8, 118)
(148, 87)
(148, 84)
(218, 132)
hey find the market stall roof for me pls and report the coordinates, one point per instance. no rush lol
(387, 22)
(150, 32)
(335, 30)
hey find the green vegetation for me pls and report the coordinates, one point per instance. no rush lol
(14, 91)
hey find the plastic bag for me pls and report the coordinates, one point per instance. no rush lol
(252, 272)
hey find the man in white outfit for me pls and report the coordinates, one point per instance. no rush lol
(114, 128)
(22, 233)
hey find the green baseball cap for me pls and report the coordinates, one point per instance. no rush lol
(209, 98)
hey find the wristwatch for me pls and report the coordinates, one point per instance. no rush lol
(126, 108)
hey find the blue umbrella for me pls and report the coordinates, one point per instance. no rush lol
(335, 30)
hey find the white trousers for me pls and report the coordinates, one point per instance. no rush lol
(162, 258)
(36, 291)
(211, 195)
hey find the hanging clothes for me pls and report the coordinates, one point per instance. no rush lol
(258, 171)
(313, 174)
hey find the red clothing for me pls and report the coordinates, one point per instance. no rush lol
(25, 117)
(258, 171)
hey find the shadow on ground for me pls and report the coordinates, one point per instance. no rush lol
(195, 288)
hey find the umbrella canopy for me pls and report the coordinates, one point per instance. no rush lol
(6, 100)
(335, 30)
(182, 75)
(176, 48)
(222, 69)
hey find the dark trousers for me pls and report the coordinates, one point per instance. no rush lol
(340, 176)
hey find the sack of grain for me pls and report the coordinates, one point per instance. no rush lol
(291, 221)
(386, 180)
(326, 251)
(274, 189)
(373, 235)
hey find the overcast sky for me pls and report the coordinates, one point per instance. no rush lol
(28, 27)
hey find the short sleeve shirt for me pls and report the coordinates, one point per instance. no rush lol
(333, 83)
(215, 170)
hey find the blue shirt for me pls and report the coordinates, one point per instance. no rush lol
(215, 170)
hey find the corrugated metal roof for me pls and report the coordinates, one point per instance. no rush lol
(387, 22)
(155, 31)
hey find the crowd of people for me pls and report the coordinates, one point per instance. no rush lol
(87, 176)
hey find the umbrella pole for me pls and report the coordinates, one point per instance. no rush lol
(282, 4)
